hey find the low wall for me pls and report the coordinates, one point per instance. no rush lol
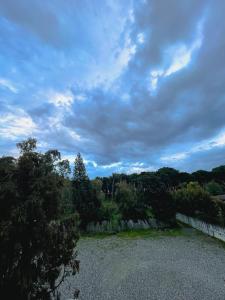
(107, 226)
(212, 230)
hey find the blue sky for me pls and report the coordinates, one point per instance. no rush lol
(132, 85)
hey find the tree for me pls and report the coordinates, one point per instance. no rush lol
(214, 188)
(127, 201)
(193, 200)
(86, 202)
(80, 174)
(201, 176)
(169, 176)
(37, 242)
(163, 207)
(219, 174)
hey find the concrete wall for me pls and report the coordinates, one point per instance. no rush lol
(212, 230)
(107, 226)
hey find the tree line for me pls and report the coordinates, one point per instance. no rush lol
(44, 205)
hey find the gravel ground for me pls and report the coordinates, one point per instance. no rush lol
(189, 267)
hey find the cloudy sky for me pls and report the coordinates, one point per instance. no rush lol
(132, 85)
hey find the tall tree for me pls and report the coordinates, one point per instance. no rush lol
(86, 202)
(80, 174)
(37, 242)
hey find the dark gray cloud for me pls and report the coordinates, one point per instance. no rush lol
(120, 119)
(34, 16)
(189, 105)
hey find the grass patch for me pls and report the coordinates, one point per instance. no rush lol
(150, 233)
(139, 233)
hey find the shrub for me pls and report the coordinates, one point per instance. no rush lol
(193, 200)
(214, 188)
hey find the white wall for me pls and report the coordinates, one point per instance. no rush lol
(212, 230)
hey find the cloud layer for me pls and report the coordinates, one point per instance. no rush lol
(132, 85)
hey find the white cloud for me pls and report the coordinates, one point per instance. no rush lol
(175, 157)
(141, 38)
(180, 56)
(61, 99)
(180, 60)
(74, 135)
(92, 162)
(16, 125)
(112, 165)
(125, 54)
(139, 170)
(9, 85)
(128, 168)
(218, 141)
(55, 123)
(80, 97)
(110, 71)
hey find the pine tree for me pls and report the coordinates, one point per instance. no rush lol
(80, 174)
(86, 202)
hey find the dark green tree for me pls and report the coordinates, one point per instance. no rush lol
(86, 201)
(126, 200)
(169, 176)
(214, 188)
(80, 174)
(201, 176)
(218, 174)
(193, 200)
(36, 240)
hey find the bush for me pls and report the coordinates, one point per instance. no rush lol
(126, 199)
(109, 211)
(193, 200)
(163, 207)
(214, 188)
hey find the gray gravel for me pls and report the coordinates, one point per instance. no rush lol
(190, 267)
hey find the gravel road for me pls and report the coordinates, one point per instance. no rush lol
(189, 267)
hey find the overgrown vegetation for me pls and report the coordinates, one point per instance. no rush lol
(193, 200)
(41, 206)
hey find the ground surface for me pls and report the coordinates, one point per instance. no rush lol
(189, 266)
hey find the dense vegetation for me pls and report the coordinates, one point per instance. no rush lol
(162, 193)
(40, 203)
(37, 239)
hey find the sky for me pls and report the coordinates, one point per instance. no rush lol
(134, 85)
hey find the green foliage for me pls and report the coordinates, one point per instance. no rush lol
(201, 176)
(109, 211)
(163, 207)
(214, 188)
(79, 174)
(37, 244)
(193, 200)
(66, 204)
(169, 176)
(219, 174)
(126, 199)
(85, 198)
